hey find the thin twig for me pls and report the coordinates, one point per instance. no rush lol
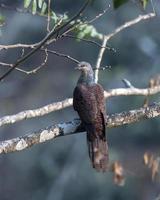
(36, 69)
(90, 41)
(43, 41)
(49, 133)
(10, 65)
(33, 71)
(99, 59)
(127, 83)
(106, 38)
(79, 22)
(48, 16)
(130, 23)
(63, 55)
(12, 46)
(32, 46)
(99, 15)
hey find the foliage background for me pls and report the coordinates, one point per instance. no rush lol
(60, 169)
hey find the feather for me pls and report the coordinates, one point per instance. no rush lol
(88, 101)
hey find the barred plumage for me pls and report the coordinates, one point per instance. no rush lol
(88, 101)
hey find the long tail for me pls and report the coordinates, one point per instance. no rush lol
(98, 152)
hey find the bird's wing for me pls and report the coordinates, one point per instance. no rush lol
(99, 92)
(84, 102)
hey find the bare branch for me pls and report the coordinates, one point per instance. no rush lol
(127, 83)
(99, 59)
(89, 41)
(12, 46)
(10, 65)
(36, 69)
(43, 63)
(35, 46)
(99, 15)
(132, 91)
(106, 38)
(10, 119)
(49, 133)
(63, 55)
(49, 17)
(42, 43)
(130, 23)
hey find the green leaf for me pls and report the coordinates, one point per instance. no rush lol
(34, 7)
(2, 20)
(118, 3)
(54, 17)
(40, 3)
(144, 3)
(27, 3)
(44, 7)
(87, 31)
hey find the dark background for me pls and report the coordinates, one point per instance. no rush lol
(60, 169)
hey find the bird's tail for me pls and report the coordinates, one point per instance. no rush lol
(98, 152)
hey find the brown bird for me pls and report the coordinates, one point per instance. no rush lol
(88, 101)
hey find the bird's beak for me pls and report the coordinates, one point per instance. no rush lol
(78, 67)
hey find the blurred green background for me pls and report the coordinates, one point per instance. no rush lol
(60, 169)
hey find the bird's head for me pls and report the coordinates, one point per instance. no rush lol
(84, 67)
(86, 76)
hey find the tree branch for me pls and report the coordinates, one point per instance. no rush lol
(39, 45)
(106, 38)
(28, 72)
(99, 59)
(49, 133)
(27, 114)
(88, 41)
(130, 23)
(43, 42)
(132, 91)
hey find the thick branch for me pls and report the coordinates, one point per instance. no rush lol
(132, 91)
(114, 120)
(26, 114)
(10, 119)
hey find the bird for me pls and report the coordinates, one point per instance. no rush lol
(89, 102)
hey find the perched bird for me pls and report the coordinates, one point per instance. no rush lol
(88, 101)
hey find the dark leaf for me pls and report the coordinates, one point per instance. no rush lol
(118, 3)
